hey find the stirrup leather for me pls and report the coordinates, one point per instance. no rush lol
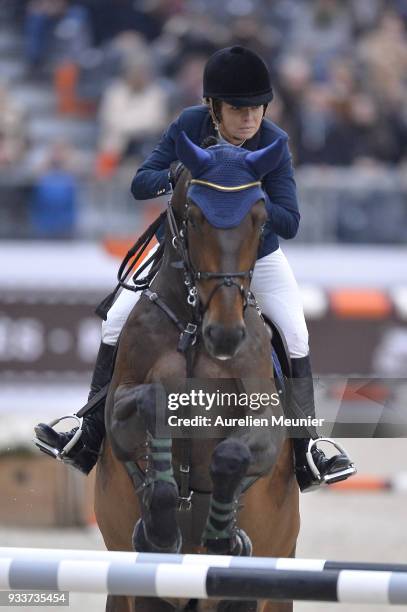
(54, 452)
(337, 475)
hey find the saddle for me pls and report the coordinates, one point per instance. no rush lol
(280, 357)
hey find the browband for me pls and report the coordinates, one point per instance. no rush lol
(222, 187)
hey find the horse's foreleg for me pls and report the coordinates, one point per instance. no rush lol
(230, 461)
(133, 420)
(278, 606)
(157, 530)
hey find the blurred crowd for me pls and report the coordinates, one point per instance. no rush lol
(339, 69)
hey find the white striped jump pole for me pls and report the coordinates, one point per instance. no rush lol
(280, 563)
(199, 580)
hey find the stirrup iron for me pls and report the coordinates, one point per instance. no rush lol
(54, 452)
(336, 476)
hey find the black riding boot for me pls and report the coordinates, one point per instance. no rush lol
(336, 468)
(84, 454)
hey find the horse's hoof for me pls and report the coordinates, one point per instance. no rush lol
(142, 543)
(239, 545)
(243, 546)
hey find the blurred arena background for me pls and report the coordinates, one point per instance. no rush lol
(86, 88)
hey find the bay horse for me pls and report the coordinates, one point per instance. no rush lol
(232, 491)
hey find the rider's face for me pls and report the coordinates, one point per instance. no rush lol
(239, 123)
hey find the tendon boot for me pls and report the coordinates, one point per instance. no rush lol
(80, 447)
(312, 467)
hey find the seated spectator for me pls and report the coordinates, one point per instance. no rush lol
(53, 207)
(378, 136)
(187, 84)
(72, 35)
(383, 54)
(133, 110)
(111, 17)
(319, 35)
(40, 20)
(292, 80)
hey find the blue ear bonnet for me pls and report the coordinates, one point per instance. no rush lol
(225, 166)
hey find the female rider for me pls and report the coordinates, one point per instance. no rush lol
(237, 90)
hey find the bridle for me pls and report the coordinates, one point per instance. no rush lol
(189, 332)
(178, 225)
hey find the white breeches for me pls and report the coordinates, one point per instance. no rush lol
(276, 292)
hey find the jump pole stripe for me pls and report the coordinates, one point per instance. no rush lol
(54, 554)
(201, 581)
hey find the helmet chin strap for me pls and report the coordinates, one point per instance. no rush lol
(217, 123)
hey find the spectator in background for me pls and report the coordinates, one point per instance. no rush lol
(40, 21)
(13, 137)
(293, 78)
(323, 119)
(383, 55)
(321, 33)
(133, 109)
(111, 17)
(72, 35)
(378, 136)
(261, 38)
(338, 67)
(187, 89)
(53, 209)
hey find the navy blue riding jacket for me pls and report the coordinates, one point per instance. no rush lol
(279, 186)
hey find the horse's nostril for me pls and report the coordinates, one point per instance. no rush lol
(241, 333)
(216, 333)
(210, 332)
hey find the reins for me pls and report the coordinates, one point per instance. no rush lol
(128, 264)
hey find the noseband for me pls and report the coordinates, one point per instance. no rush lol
(191, 275)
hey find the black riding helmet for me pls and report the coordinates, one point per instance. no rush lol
(238, 76)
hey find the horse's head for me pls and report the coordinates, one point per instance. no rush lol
(220, 205)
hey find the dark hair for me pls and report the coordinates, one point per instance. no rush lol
(217, 109)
